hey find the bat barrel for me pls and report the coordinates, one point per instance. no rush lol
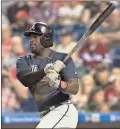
(102, 17)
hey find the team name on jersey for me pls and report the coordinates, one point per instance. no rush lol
(34, 68)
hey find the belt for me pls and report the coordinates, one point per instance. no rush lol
(43, 113)
(67, 102)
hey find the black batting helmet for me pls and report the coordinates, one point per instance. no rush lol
(44, 30)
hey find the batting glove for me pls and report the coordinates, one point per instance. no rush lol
(54, 79)
(58, 65)
(49, 68)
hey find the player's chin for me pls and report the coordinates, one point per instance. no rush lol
(33, 50)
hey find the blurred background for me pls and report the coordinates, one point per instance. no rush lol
(97, 63)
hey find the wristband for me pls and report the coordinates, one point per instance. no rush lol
(63, 85)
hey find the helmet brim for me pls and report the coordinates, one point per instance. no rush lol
(29, 33)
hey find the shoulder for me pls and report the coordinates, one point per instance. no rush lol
(61, 56)
(24, 58)
(58, 55)
(21, 58)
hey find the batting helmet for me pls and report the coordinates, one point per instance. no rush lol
(44, 30)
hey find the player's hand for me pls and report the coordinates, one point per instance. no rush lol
(54, 79)
(58, 65)
(49, 68)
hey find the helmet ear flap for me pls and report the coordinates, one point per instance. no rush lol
(46, 41)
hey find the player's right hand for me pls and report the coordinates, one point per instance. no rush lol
(52, 75)
(54, 79)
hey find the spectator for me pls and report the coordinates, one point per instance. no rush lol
(17, 50)
(6, 41)
(112, 93)
(104, 108)
(115, 55)
(64, 14)
(116, 72)
(13, 93)
(82, 97)
(111, 30)
(23, 21)
(102, 76)
(95, 51)
(14, 8)
(56, 4)
(92, 9)
(77, 8)
(66, 42)
(96, 99)
(88, 84)
(43, 11)
(5, 5)
(5, 20)
(70, 12)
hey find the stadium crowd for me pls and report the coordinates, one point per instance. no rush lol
(97, 63)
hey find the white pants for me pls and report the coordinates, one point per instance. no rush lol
(63, 116)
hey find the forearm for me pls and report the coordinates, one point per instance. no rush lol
(31, 78)
(72, 87)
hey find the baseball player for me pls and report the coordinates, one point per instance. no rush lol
(50, 81)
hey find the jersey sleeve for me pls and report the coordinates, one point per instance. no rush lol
(69, 71)
(22, 65)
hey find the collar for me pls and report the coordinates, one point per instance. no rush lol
(50, 56)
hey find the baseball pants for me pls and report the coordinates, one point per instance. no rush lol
(63, 116)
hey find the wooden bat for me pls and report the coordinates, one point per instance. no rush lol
(91, 29)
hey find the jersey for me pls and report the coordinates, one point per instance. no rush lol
(44, 95)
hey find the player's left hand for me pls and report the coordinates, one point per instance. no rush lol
(58, 65)
(54, 79)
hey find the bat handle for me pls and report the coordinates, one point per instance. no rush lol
(65, 59)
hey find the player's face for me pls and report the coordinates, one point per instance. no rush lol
(35, 44)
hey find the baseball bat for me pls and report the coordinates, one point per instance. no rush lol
(91, 29)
